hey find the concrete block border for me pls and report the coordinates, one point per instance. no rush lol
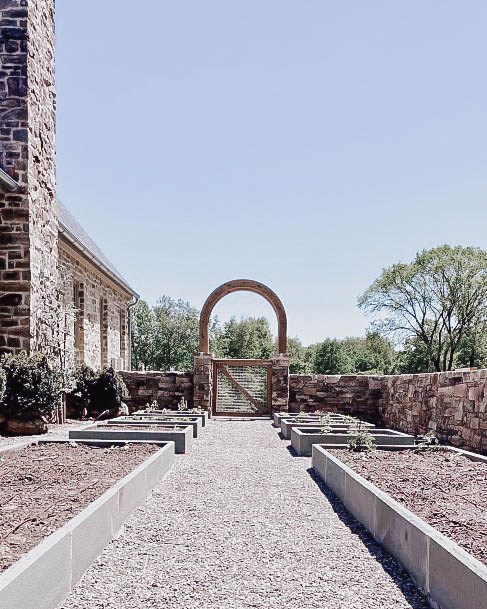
(182, 438)
(450, 576)
(194, 422)
(287, 425)
(311, 416)
(303, 438)
(43, 578)
(204, 416)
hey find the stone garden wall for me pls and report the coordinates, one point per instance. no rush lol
(349, 394)
(167, 388)
(452, 404)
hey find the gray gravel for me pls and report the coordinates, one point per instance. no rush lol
(239, 522)
(56, 432)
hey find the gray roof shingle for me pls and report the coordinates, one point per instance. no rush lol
(75, 233)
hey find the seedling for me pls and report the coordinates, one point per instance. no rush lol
(428, 440)
(183, 404)
(359, 438)
(325, 423)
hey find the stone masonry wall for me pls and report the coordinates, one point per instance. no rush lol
(100, 336)
(28, 218)
(167, 388)
(452, 404)
(350, 394)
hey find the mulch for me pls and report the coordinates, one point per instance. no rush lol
(44, 486)
(444, 488)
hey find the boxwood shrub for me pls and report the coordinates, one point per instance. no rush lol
(33, 386)
(96, 392)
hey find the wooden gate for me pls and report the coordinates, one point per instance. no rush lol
(242, 387)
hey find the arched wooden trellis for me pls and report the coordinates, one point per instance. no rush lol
(243, 285)
(240, 387)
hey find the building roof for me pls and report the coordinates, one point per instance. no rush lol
(72, 230)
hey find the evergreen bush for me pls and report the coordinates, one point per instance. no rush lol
(33, 386)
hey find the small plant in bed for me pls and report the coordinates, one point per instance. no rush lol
(428, 440)
(325, 424)
(359, 438)
(32, 391)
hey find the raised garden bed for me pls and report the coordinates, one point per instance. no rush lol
(60, 506)
(446, 492)
(278, 416)
(134, 421)
(182, 436)
(303, 438)
(204, 416)
(288, 424)
(445, 488)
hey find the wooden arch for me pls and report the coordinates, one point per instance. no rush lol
(243, 285)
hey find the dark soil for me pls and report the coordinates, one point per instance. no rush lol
(151, 427)
(42, 487)
(444, 488)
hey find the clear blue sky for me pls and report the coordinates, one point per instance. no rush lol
(306, 144)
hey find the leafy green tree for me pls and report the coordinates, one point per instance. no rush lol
(414, 357)
(440, 298)
(248, 338)
(143, 331)
(176, 334)
(301, 358)
(372, 354)
(331, 357)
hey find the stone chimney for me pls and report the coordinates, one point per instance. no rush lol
(28, 215)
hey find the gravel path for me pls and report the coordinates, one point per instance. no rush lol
(238, 523)
(56, 432)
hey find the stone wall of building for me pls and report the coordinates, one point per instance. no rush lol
(99, 335)
(166, 388)
(28, 218)
(350, 394)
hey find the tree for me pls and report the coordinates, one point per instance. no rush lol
(300, 357)
(143, 327)
(164, 337)
(176, 334)
(372, 354)
(440, 298)
(245, 338)
(332, 358)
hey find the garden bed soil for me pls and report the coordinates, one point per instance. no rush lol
(442, 487)
(43, 486)
(150, 427)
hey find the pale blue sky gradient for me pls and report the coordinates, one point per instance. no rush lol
(306, 144)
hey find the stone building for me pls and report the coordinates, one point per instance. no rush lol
(58, 293)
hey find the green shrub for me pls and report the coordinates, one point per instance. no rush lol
(33, 386)
(106, 391)
(95, 392)
(78, 399)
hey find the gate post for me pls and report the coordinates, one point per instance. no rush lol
(280, 382)
(203, 381)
